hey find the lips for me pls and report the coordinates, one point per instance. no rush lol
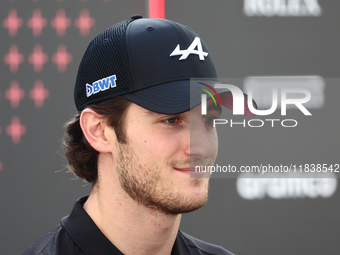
(192, 172)
(185, 169)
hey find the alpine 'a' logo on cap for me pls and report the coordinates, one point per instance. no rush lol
(191, 50)
(101, 85)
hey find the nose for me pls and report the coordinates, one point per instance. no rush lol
(203, 140)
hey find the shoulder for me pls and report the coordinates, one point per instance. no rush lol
(55, 242)
(198, 246)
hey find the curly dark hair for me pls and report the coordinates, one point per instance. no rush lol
(82, 157)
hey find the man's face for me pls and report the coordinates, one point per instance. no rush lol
(154, 166)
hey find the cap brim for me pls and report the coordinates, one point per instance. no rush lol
(181, 96)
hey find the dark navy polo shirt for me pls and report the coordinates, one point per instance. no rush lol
(77, 234)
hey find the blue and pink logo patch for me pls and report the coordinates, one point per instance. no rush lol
(100, 85)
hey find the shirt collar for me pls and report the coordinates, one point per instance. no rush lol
(89, 238)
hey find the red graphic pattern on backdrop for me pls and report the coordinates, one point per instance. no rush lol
(39, 94)
(14, 58)
(38, 58)
(62, 58)
(16, 130)
(12, 23)
(61, 23)
(84, 22)
(37, 23)
(15, 94)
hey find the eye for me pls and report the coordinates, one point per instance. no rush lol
(208, 120)
(171, 121)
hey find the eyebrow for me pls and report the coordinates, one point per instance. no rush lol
(151, 113)
(211, 107)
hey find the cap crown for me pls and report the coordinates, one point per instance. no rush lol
(138, 53)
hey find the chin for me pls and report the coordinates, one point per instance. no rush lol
(190, 200)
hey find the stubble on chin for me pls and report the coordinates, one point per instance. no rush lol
(142, 184)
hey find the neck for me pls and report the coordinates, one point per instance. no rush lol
(131, 227)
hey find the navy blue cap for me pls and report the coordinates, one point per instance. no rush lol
(148, 61)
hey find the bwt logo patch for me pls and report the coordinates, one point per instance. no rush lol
(101, 85)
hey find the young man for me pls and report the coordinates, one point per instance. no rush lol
(137, 137)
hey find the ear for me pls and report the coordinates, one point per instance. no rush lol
(95, 130)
